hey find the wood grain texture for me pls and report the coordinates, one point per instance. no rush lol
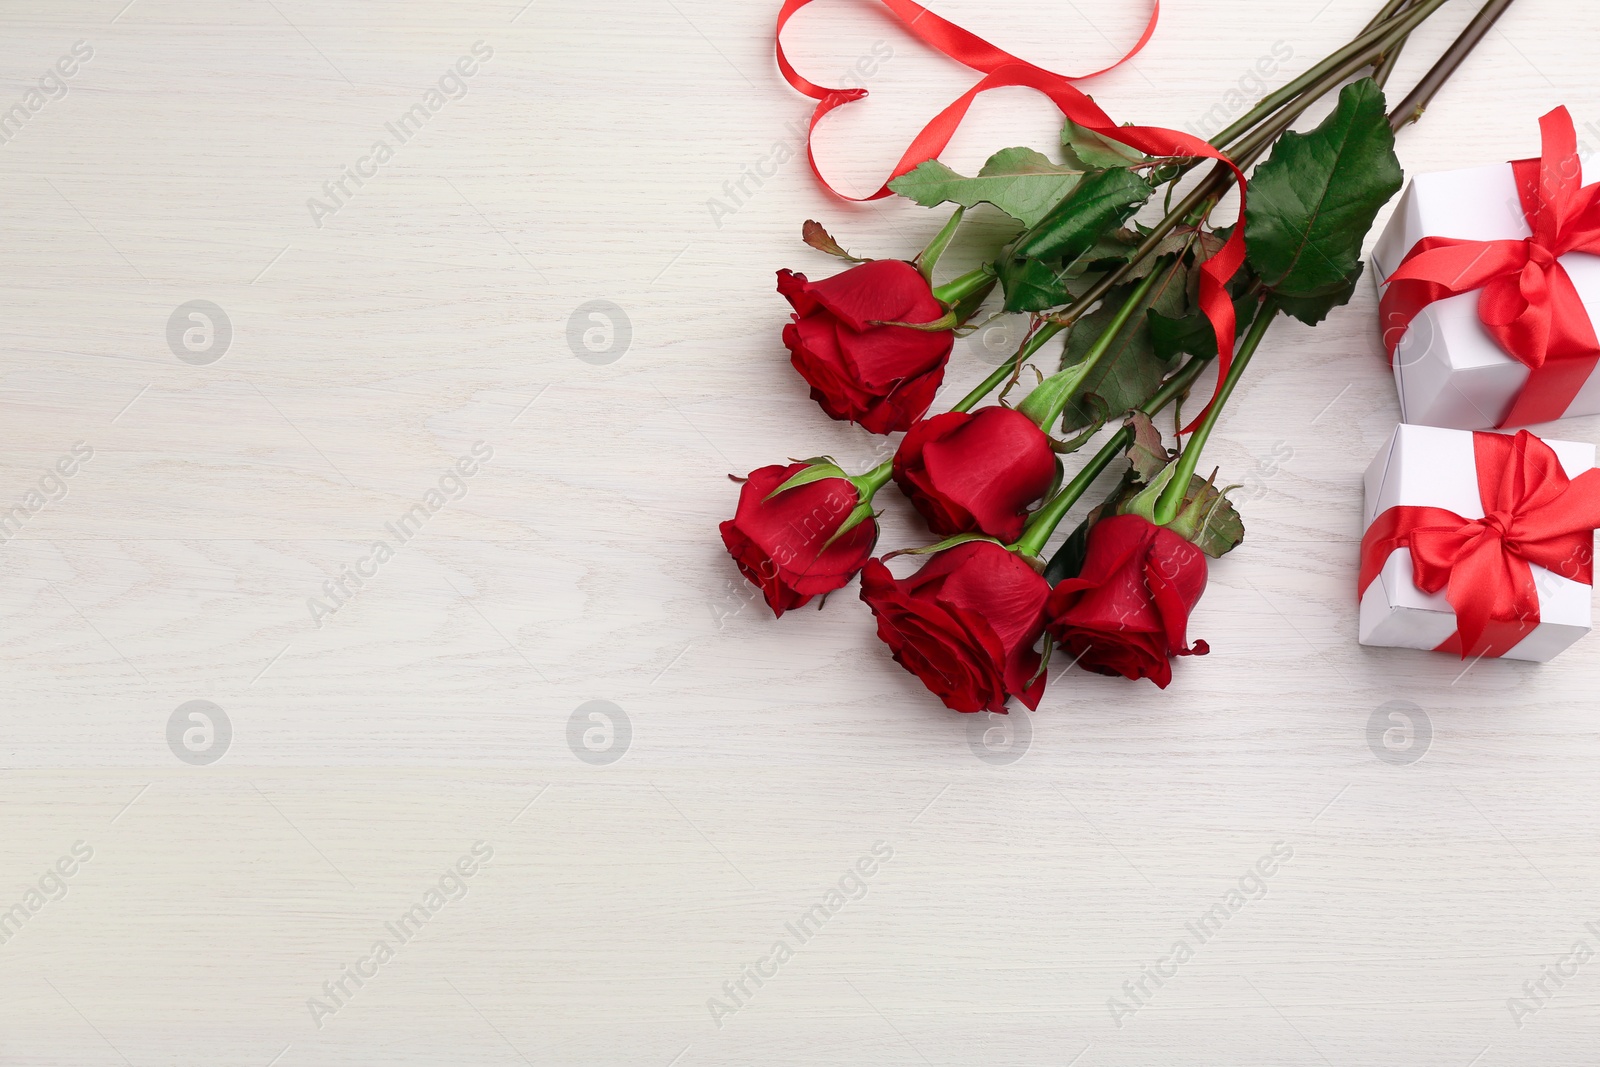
(368, 754)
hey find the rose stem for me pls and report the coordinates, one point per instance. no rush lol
(1045, 521)
(953, 291)
(1035, 341)
(1202, 198)
(868, 484)
(1249, 148)
(1320, 79)
(1410, 109)
(1387, 13)
(1390, 60)
(1171, 501)
(1376, 34)
(1050, 397)
(1195, 203)
(1312, 85)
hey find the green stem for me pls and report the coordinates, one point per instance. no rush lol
(1391, 34)
(1035, 341)
(1198, 203)
(1411, 107)
(1051, 396)
(1385, 66)
(868, 484)
(1384, 21)
(1171, 501)
(1249, 148)
(1045, 521)
(1386, 14)
(1314, 84)
(1375, 35)
(952, 292)
(1398, 31)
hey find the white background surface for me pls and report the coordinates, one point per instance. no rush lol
(766, 757)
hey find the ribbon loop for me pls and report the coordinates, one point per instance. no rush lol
(1001, 69)
(1528, 303)
(1533, 515)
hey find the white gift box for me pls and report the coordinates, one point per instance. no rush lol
(1449, 371)
(1425, 466)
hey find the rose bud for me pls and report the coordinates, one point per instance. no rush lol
(881, 376)
(1127, 611)
(965, 624)
(789, 543)
(976, 473)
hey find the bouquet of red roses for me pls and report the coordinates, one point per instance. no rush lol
(1144, 306)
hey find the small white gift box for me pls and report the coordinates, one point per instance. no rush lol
(1425, 466)
(1448, 369)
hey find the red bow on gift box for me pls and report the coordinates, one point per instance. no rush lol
(1532, 513)
(1528, 304)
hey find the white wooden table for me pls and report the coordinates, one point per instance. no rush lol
(375, 342)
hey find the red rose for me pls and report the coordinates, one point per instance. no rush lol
(1127, 612)
(882, 377)
(965, 624)
(781, 544)
(977, 472)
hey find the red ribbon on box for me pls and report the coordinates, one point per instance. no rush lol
(1532, 513)
(1001, 69)
(1528, 304)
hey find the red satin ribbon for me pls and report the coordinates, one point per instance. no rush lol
(1002, 69)
(1532, 514)
(1528, 303)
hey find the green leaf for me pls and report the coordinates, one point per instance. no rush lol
(1207, 518)
(949, 542)
(1110, 252)
(1049, 284)
(1098, 204)
(863, 512)
(1049, 394)
(817, 472)
(1018, 181)
(1173, 243)
(1068, 560)
(1148, 454)
(1132, 371)
(1313, 309)
(1085, 435)
(1033, 284)
(1092, 150)
(1312, 203)
(1193, 334)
